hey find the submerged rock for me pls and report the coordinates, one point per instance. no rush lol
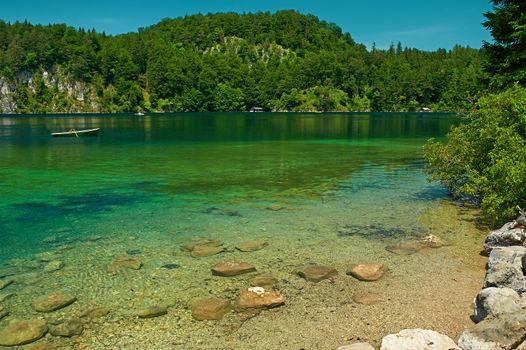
(421, 339)
(367, 272)
(506, 331)
(171, 266)
(125, 262)
(66, 328)
(412, 246)
(95, 312)
(316, 273)
(41, 346)
(367, 299)
(263, 281)
(495, 301)
(204, 242)
(3, 312)
(210, 309)
(507, 235)
(22, 332)
(5, 282)
(200, 251)
(54, 265)
(251, 246)
(259, 298)
(152, 311)
(230, 268)
(54, 301)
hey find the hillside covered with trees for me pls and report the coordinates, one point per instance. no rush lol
(227, 62)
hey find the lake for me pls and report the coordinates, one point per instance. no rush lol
(334, 189)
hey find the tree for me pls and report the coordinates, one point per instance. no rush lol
(507, 55)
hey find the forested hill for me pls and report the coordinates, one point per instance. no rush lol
(226, 62)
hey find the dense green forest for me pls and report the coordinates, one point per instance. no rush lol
(484, 158)
(284, 61)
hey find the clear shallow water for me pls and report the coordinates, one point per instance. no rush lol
(332, 189)
(161, 162)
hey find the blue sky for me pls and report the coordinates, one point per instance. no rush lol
(423, 24)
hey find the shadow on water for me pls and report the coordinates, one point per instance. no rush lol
(378, 231)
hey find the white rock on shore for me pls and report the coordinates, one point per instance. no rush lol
(505, 269)
(496, 301)
(507, 235)
(418, 339)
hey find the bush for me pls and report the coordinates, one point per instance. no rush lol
(485, 157)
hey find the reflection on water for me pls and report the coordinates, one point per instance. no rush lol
(333, 189)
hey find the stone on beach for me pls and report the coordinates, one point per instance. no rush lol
(316, 273)
(504, 269)
(54, 265)
(205, 242)
(95, 312)
(251, 246)
(421, 339)
(125, 262)
(228, 268)
(259, 298)
(494, 301)
(66, 328)
(22, 332)
(367, 272)
(210, 309)
(507, 235)
(152, 311)
(506, 331)
(54, 301)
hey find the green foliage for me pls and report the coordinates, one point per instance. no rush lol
(507, 55)
(229, 61)
(485, 157)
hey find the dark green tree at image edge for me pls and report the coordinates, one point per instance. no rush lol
(484, 158)
(283, 61)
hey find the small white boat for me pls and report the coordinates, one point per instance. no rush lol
(76, 133)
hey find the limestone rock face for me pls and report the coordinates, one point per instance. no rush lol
(507, 235)
(152, 311)
(230, 268)
(210, 309)
(53, 301)
(317, 273)
(22, 332)
(251, 246)
(495, 301)
(259, 298)
(421, 339)
(502, 332)
(505, 268)
(66, 328)
(125, 262)
(367, 272)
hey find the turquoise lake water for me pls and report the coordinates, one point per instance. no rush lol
(332, 189)
(200, 161)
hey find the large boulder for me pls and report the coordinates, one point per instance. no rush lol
(421, 339)
(505, 268)
(22, 332)
(502, 332)
(508, 235)
(494, 301)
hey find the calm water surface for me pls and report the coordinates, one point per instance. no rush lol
(201, 161)
(332, 189)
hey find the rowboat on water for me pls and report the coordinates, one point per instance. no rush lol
(76, 133)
